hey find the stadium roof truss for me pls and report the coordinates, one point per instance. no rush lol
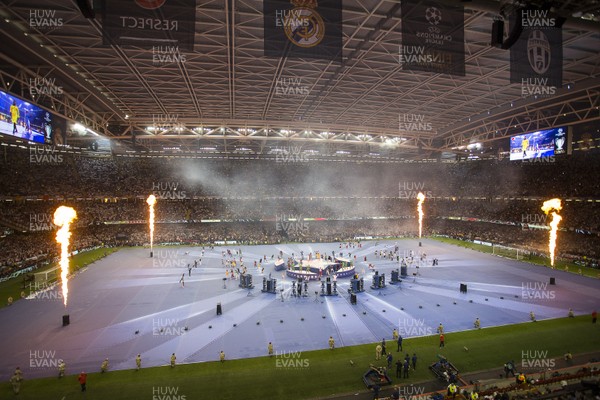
(227, 94)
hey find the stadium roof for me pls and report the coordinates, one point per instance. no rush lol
(226, 95)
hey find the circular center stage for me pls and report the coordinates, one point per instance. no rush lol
(316, 268)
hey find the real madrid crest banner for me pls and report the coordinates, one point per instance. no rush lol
(303, 29)
(433, 36)
(149, 23)
(536, 57)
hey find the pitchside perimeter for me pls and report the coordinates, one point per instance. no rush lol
(129, 303)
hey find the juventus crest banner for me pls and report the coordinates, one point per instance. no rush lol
(303, 29)
(536, 57)
(148, 23)
(433, 36)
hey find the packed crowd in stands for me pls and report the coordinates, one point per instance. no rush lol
(26, 249)
(109, 196)
(83, 176)
(29, 214)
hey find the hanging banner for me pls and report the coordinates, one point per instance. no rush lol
(536, 57)
(149, 23)
(303, 29)
(433, 36)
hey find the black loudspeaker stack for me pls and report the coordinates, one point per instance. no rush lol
(86, 8)
(497, 33)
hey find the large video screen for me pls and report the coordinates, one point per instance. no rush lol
(538, 144)
(22, 119)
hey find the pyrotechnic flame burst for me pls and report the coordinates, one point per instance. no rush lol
(151, 200)
(421, 198)
(553, 204)
(63, 216)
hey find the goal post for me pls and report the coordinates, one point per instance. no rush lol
(49, 276)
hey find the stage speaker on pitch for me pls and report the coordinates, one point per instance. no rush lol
(552, 281)
(219, 309)
(66, 320)
(352, 298)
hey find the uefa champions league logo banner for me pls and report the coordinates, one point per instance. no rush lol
(433, 37)
(560, 140)
(149, 23)
(303, 29)
(536, 58)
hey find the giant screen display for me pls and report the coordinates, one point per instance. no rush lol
(23, 119)
(538, 144)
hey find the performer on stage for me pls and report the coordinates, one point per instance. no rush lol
(14, 116)
(524, 147)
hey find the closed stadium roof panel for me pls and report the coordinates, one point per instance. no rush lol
(221, 83)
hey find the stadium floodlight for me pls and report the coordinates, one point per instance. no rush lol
(391, 141)
(78, 128)
(88, 130)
